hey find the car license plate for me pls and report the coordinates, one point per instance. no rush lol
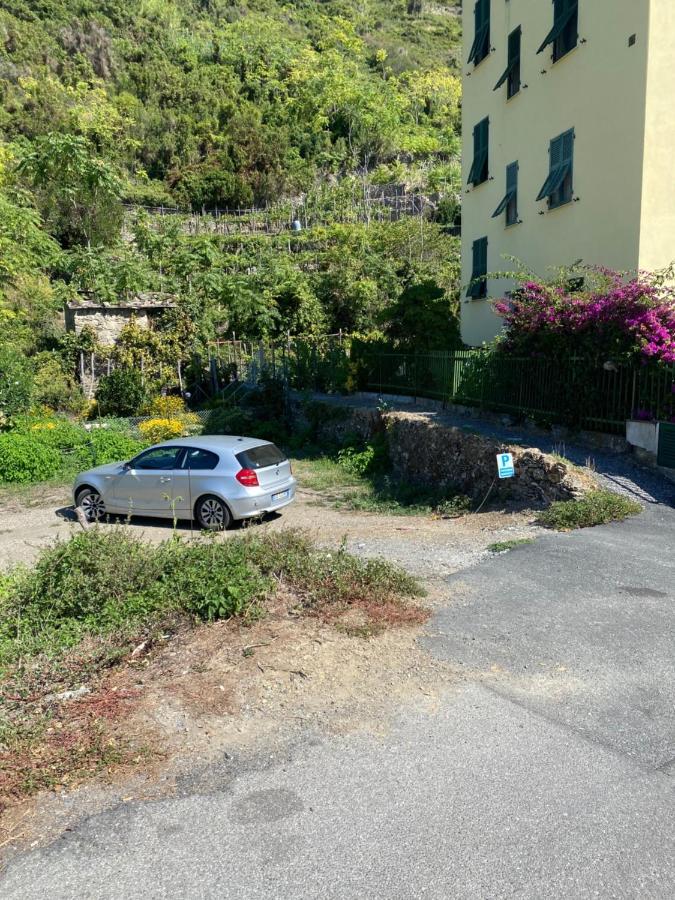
(280, 496)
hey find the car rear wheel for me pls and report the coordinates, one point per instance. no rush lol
(212, 514)
(91, 503)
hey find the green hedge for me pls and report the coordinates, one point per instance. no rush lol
(25, 459)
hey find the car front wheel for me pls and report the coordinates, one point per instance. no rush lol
(212, 514)
(91, 504)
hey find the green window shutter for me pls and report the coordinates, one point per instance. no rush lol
(565, 12)
(556, 172)
(513, 62)
(512, 193)
(558, 185)
(478, 285)
(479, 166)
(481, 42)
(508, 203)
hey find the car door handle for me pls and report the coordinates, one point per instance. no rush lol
(164, 479)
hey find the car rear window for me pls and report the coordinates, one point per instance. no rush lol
(260, 457)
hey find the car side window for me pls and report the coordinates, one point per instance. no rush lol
(160, 458)
(199, 459)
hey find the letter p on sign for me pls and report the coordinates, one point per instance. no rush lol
(505, 465)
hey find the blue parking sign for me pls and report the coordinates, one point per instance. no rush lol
(505, 465)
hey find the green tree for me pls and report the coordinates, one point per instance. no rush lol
(77, 192)
(16, 384)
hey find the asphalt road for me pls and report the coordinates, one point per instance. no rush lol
(547, 772)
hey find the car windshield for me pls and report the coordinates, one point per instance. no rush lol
(260, 457)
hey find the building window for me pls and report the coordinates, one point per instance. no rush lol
(478, 285)
(481, 41)
(558, 187)
(565, 32)
(509, 204)
(512, 74)
(479, 166)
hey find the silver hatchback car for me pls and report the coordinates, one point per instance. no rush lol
(212, 479)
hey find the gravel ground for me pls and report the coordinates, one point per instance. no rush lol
(423, 545)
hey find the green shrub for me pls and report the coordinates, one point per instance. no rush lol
(229, 420)
(213, 580)
(60, 434)
(55, 387)
(16, 384)
(25, 459)
(234, 420)
(107, 445)
(108, 582)
(356, 462)
(121, 393)
(368, 459)
(597, 508)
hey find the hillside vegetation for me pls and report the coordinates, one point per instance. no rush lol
(207, 104)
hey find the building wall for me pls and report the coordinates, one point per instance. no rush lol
(107, 324)
(599, 89)
(657, 239)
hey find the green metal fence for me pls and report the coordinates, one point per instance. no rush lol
(579, 392)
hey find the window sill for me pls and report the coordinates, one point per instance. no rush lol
(476, 64)
(554, 62)
(562, 205)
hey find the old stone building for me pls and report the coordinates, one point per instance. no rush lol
(108, 319)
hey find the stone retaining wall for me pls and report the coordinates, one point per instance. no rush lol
(425, 452)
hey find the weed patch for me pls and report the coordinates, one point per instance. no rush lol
(505, 546)
(75, 619)
(344, 487)
(596, 508)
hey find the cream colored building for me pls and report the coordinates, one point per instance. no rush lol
(586, 124)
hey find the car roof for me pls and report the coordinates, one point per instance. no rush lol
(216, 442)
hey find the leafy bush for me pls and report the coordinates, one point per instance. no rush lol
(169, 407)
(214, 580)
(357, 462)
(366, 460)
(234, 420)
(121, 393)
(229, 420)
(613, 319)
(107, 445)
(597, 508)
(59, 434)
(106, 581)
(156, 430)
(25, 459)
(56, 388)
(16, 384)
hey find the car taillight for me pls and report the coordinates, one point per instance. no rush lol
(248, 478)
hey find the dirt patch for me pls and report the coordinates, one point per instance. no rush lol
(223, 689)
(228, 688)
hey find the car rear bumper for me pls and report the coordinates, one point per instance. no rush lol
(261, 500)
